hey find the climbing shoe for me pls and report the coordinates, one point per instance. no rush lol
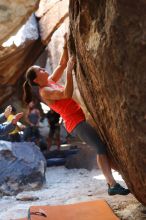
(117, 189)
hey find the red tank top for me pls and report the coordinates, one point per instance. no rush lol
(69, 110)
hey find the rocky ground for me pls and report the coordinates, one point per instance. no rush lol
(64, 186)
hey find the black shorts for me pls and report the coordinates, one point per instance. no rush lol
(89, 135)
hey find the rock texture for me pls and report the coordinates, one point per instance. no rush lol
(13, 14)
(22, 167)
(108, 39)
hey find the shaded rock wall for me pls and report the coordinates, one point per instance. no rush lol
(108, 39)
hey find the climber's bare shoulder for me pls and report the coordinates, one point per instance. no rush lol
(46, 94)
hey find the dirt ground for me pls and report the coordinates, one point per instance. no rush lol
(64, 186)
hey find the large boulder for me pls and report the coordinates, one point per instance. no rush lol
(22, 167)
(108, 40)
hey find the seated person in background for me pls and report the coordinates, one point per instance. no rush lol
(14, 135)
(31, 132)
(53, 119)
(5, 129)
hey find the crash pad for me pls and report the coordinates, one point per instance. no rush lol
(91, 210)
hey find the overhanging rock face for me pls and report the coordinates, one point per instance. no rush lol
(108, 38)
